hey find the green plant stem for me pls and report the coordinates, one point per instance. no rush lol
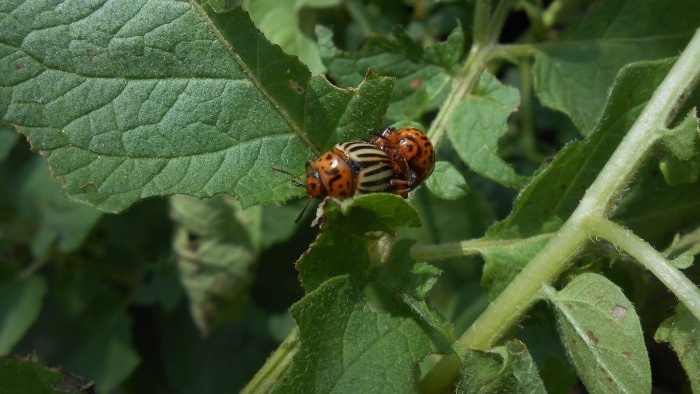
(517, 298)
(486, 31)
(459, 249)
(275, 367)
(651, 259)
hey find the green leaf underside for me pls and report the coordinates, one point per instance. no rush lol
(477, 124)
(341, 247)
(556, 190)
(680, 331)
(574, 75)
(505, 369)
(602, 335)
(143, 98)
(20, 303)
(215, 256)
(422, 78)
(342, 338)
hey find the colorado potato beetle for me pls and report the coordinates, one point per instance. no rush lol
(411, 154)
(350, 169)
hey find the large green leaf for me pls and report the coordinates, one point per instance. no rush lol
(144, 98)
(602, 334)
(574, 73)
(343, 338)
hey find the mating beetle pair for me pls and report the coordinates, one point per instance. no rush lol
(393, 161)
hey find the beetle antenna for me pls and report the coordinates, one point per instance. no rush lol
(295, 179)
(301, 214)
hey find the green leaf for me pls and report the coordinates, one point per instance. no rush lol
(686, 244)
(681, 332)
(682, 163)
(282, 21)
(84, 327)
(8, 139)
(41, 216)
(422, 79)
(27, 376)
(342, 245)
(504, 369)
(446, 182)
(556, 190)
(476, 125)
(342, 338)
(574, 74)
(139, 99)
(20, 303)
(219, 363)
(215, 255)
(602, 335)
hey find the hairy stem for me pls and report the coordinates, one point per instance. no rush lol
(275, 367)
(651, 259)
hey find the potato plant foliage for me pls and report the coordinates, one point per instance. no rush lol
(146, 244)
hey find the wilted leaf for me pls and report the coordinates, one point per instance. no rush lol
(215, 253)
